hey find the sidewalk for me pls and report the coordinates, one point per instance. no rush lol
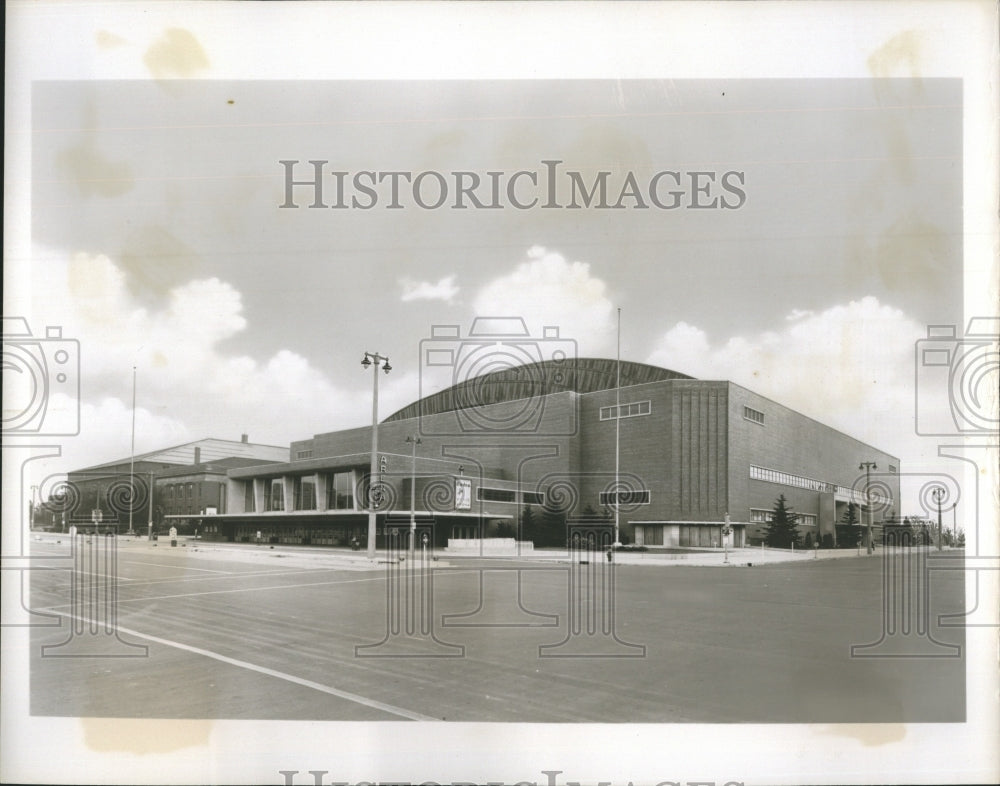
(319, 557)
(737, 557)
(748, 556)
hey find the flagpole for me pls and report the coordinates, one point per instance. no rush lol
(131, 466)
(618, 420)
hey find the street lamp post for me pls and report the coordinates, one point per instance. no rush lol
(618, 430)
(374, 359)
(31, 508)
(414, 441)
(938, 494)
(131, 467)
(149, 533)
(868, 466)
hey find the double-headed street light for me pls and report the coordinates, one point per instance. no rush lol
(374, 359)
(938, 494)
(868, 466)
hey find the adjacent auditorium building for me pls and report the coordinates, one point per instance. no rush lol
(177, 484)
(572, 438)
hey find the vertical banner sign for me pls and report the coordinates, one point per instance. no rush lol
(463, 494)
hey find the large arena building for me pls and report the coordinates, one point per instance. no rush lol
(552, 442)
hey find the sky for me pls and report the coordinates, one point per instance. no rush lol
(159, 241)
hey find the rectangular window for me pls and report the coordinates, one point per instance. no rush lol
(652, 534)
(248, 502)
(277, 495)
(626, 410)
(305, 494)
(340, 491)
(303, 454)
(754, 415)
(700, 536)
(532, 498)
(806, 520)
(495, 495)
(636, 497)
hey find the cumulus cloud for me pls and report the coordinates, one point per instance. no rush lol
(547, 290)
(189, 386)
(850, 366)
(445, 289)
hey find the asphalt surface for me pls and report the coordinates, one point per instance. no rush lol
(249, 633)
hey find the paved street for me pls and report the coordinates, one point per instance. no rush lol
(253, 633)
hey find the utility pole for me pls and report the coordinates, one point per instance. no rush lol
(618, 428)
(414, 441)
(868, 466)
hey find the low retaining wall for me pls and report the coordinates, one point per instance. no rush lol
(490, 546)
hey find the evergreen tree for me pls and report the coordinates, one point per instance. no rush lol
(782, 532)
(529, 526)
(553, 529)
(847, 529)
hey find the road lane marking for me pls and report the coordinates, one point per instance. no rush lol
(343, 694)
(230, 591)
(248, 574)
(161, 565)
(380, 577)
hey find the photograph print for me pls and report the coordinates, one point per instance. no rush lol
(551, 401)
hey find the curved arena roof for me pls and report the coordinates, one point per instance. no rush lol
(578, 375)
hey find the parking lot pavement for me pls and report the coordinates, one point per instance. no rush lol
(236, 632)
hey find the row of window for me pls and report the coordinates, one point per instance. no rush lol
(630, 497)
(339, 493)
(759, 516)
(485, 494)
(625, 410)
(787, 479)
(858, 496)
(181, 491)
